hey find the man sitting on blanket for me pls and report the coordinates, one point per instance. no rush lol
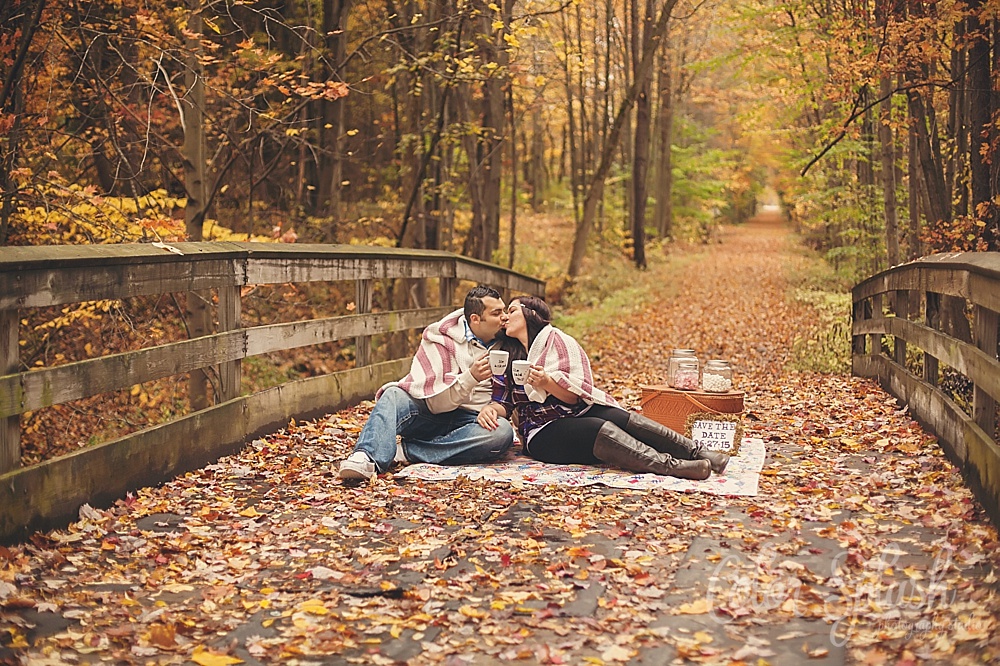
(434, 408)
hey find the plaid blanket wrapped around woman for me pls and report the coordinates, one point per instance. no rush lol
(563, 359)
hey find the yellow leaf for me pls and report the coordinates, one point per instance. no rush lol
(473, 612)
(493, 6)
(177, 587)
(699, 607)
(250, 512)
(703, 637)
(211, 24)
(617, 653)
(497, 25)
(205, 657)
(352, 132)
(313, 606)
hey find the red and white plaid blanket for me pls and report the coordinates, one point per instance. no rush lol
(443, 355)
(563, 359)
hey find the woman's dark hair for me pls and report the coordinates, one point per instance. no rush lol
(536, 317)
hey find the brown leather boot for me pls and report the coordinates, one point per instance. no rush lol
(665, 440)
(616, 447)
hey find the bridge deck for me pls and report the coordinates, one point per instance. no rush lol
(862, 544)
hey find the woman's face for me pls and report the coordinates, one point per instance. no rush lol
(516, 326)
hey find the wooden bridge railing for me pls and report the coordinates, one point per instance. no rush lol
(51, 493)
(944, 306)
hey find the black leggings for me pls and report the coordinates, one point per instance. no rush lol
(570, 440)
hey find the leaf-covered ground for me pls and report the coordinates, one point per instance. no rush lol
(863, 545)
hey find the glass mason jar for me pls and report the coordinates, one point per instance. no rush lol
(686, 374)
(675, 356)
(717, 377)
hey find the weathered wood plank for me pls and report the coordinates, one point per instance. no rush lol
(10, 422)
(230, 372)
(984, 400)
(481, 273)
(932, 319)
(55, 285)
(34, 390)
(264, 339)
(970, 275)
(446, 291)
(902, 309)
(363, 290)
(860, 311)
(965, 358)
(42, 276)
(50, 494)
(272, 271)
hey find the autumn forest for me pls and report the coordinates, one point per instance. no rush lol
(469, 126)
(432, 124)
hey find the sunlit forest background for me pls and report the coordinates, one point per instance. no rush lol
(557, 138)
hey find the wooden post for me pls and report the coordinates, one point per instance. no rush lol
(902, 310)
(199, 322)
(984, 407)
(363, 305)
(446, 291)
(877, 313)
(932, 317)
(230, 372)
(10, 427)
(862, 310)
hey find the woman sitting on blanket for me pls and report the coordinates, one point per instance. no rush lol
(563, 418)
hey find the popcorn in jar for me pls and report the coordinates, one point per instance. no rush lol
(717, 377)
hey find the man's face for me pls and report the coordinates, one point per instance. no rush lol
(493, 319)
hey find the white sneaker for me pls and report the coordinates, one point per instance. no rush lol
(357, 467)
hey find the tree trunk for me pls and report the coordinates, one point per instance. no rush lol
(332, 130)
(596, 189)
(888, 153)
(981, 111)
(196, 313)
(955, 181)
(569, 135)
(931, 171)
(537, 159)
(663, 213)
(511, 247)
(640, 155)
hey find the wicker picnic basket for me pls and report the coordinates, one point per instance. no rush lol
(672, 407)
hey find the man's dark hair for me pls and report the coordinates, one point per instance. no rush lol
(474, 300)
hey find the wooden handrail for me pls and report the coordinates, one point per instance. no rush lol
(967, 282)
(31, 277)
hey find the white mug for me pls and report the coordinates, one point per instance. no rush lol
(520, 370)
(498, 361)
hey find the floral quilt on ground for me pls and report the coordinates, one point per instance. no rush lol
(741, 477)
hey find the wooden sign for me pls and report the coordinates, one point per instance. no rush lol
(716, 432)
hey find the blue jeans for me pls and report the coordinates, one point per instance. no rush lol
(451, 438)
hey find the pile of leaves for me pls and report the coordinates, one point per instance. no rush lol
(863, 543)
